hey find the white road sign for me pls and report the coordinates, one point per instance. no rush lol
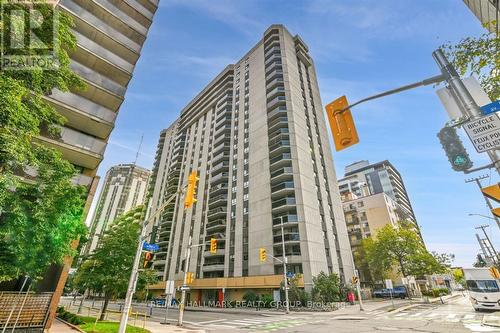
(388, 284)
(484, 132)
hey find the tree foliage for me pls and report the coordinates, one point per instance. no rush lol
(401, 248)
(480, 262)
(40, 209)
(478, 56)
(108, 269)
(327, 288)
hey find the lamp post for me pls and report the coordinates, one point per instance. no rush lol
(285, 278)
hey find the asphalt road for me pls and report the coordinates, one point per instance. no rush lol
(455, 316)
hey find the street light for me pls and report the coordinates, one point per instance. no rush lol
(486, 217)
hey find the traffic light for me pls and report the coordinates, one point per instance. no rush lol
(148, 259)
(493, 192)
(494, 272)
(213, 245)
(262, 254)
(189, 277)
(341, 123)
(454, 149)
(191, 190)
(355, 280)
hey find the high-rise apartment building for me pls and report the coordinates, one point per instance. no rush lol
(362, 178)
(486, 11)
(257, 137)
(125, 187)
(110, 35)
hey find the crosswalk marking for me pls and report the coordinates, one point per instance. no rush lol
(469, 316)
(416, 314)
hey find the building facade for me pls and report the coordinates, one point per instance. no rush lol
(110, 35)
(486, 11)
(125, 187)
(362, 178)
(257, 137)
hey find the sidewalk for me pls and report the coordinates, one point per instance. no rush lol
(61, 327)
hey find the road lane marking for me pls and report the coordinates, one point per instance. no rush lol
(211, 321)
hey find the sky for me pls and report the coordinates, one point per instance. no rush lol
(360, 48)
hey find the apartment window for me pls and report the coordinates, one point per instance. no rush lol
(245, 184)
(233, 202)
(245, 197)
(360, 204)
(234, 189)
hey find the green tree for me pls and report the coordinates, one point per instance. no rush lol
(108, 269)
(40, 209)
(480, 262)
(327, 288)
(400, 248)
(478, 56)
(458, 275)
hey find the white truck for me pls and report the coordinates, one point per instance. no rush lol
(483, 288)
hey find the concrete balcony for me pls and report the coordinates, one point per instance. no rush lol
(219, 253)
(98, 79)
(80, 149)
(83, 114)
(277, 101)
(282, 190)
(220, 212)
(277, 123)
(288, 236)
(102, 33)
(117, 19)
(218, 189)
(224, 166)
(216, 225)
(213, 267)
(279, 133)
(220, 200)
(283, 204)
(281, 160)
(134, 10)
(287, 219)
(101, 96)
(223, 129)
(220, 157)
(270, 50)
(82, 180)
(100, 51)
(281, 174)
(281, 147)
(280, 111)
(279, 90)
(273, 57)
(222, 177)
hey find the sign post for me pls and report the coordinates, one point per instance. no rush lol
(388, 285)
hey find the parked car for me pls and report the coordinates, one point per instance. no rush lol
(397, 292)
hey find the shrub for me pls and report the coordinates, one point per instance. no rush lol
(267, 299)
(250, 296)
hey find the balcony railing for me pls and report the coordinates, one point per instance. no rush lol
(285, 156)
(284, 202)
(217, 211)
(283, 186)
(286, 219)
(289, 237)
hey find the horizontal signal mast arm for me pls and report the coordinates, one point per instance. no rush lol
(426, 82)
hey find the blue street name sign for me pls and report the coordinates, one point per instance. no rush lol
(150, 247)
(491, 108)
(289, 275)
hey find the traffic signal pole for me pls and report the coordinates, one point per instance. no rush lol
(285, 278)
(135, 267)
(463, 97)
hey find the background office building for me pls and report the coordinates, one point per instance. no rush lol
(257, 137)
(110, 35)
(373, 196)
(125, 187)
(362, 178)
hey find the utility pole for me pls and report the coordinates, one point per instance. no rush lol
(135, 268)
(184, 287)
(285, 278)
(488, 244)
(462, 96)
(477, 180)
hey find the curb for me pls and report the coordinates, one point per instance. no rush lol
(76, 328)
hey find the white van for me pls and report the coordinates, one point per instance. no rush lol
(484, 291)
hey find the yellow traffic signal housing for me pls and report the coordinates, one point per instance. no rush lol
(354, 280)
(148, 259)
(189, 277)
(262, 254)
(341, 124)
(213, 245)
(492, 192)
(494, 272)
(191, 190)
